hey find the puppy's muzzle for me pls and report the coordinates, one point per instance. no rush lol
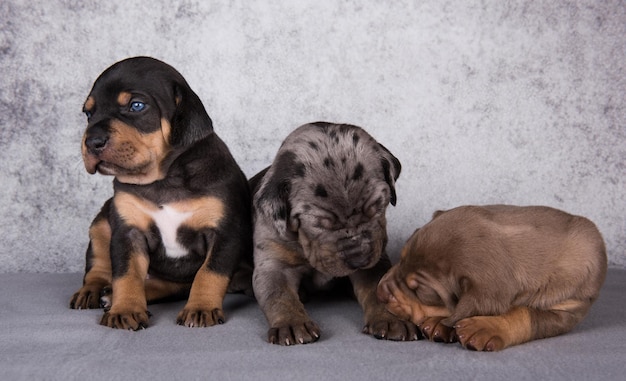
(355, 251)
(96, 144)
(96, 141)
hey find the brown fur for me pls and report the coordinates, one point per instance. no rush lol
(495, 276)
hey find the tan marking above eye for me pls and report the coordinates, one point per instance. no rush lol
(123, 98)
(89, 103)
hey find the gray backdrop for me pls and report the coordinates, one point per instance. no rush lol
(519, 102)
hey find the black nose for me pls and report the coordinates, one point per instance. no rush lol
(95, 144)
(355, 263)
(355, 251)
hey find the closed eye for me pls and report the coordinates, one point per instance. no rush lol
(326, 223)
(137, 106)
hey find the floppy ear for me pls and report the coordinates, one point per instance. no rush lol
(190, 121)
(271, 199)
(391, 169)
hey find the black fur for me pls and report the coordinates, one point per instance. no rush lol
(195, 164)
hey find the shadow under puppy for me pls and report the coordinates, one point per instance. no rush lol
(319, 213)
(179, 222)
(496, 276)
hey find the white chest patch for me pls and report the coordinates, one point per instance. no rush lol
(168, 220)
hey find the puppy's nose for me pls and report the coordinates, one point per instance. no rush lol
(355, 251)
(95, 144)
(357, 262)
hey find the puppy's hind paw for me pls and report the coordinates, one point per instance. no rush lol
(434, 330)
(481, 333)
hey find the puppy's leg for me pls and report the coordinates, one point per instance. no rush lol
(98, 265)
(276, 289)
(241, 281)
(129, 307)
(157, 290)
(378, 321)
(519, 325)
(204, 306)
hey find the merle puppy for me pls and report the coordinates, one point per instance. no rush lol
(319, 214)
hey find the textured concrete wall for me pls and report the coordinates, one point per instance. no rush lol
(519, 102)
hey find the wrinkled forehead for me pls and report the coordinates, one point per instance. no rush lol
(120, 98)
(333, 201)
(342, 158)
(340, 167)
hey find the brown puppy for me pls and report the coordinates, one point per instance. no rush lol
(179, 222)
(497, 276)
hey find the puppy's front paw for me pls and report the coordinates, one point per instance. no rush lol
(129, 320)
(434, 330)
(391, 328)
(290, 334)
(88, 297)
(199, 317)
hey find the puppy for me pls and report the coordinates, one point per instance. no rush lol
(319, 214)
(496, 276)
(179, 222)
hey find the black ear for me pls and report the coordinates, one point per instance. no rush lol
(391, 169)
(190, 122)
(271, 199)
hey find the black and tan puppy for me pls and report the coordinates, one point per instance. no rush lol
(179, 222)
(320, 214)
(496, 276)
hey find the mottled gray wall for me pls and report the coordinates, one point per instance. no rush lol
(517, 102)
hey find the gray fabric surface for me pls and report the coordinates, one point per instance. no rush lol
(41, 338)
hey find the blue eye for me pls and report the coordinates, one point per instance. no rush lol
(88, 113)
(137, 106)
